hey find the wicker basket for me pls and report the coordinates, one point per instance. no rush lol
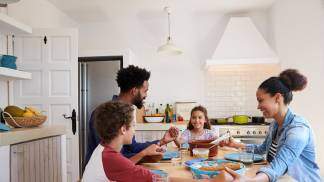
(21, 122)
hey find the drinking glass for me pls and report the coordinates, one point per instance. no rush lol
(247, 156)
(160, 177)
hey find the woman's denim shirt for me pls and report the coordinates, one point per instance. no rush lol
(295, 152)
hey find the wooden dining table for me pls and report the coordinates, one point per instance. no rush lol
(181, 171)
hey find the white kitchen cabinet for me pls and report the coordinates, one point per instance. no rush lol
(33, 154)
(36, 161)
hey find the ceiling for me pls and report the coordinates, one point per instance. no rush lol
(87, 11)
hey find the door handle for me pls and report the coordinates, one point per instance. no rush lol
(73, 118)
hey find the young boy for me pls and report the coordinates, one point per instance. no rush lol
(115, 125)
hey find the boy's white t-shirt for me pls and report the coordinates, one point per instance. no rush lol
(94, 171)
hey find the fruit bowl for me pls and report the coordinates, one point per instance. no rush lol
(21, 122)
(153, 119)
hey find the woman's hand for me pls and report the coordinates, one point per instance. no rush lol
(231, 143)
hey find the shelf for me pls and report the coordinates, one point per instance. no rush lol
(10, 26)
(11, 74)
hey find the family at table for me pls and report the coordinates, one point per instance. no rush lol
(113, 153)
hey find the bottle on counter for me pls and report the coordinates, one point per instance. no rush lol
(160, 109)
(167, 113)
(173, 115)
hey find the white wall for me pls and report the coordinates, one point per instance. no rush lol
(179, 78)
(298, 37)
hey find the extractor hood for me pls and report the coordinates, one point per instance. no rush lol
(242, 43)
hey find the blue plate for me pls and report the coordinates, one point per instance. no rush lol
(159, 172)
(236, 157)
(168, 155)
(201, 174)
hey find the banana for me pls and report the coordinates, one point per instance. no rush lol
(33, 110)
(28, 114)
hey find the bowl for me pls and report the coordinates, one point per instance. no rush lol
(200, 152)
(203, 144)
(199, 173)
(151, 159)
(153, 119)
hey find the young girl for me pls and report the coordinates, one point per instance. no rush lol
(198, 127)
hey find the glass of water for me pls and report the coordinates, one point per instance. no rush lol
(247, 155)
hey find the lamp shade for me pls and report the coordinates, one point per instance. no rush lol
(169, 49)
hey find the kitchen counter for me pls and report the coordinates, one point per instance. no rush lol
(160, 126)
(18, 135)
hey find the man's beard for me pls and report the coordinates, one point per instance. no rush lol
(138, 101)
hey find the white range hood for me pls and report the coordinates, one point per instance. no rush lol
(242, 43)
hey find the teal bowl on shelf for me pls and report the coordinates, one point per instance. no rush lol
(8, 61)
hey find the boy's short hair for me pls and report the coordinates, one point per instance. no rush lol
(110, 116)
(132, 76)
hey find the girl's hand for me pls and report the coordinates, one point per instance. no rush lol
(170, 135)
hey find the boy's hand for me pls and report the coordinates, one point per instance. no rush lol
(153, 150)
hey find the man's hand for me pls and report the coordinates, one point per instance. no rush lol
(153, 150)
(170, 135)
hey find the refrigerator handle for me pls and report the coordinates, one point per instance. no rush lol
(73, 118)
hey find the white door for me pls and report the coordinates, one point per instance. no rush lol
(53, 62)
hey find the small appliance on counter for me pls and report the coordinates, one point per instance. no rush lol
(183, 109)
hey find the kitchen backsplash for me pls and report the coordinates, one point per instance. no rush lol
(230, 90)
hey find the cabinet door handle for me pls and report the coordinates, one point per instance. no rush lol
(73, 118)
(18, 152)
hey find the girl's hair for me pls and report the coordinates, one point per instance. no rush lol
(203, 110)
(288, 81)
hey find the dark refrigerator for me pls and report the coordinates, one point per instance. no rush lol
(97, 84)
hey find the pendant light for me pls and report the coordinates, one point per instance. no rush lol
(169, 48)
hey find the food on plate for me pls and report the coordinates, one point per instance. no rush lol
(231, 165)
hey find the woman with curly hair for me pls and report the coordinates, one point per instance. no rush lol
(289, 145)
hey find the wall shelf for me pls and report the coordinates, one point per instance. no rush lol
(11, 74)
(10, 26)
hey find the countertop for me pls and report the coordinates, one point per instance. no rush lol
(18, 135)
(160, 126)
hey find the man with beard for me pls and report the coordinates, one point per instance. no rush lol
(133, 84)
